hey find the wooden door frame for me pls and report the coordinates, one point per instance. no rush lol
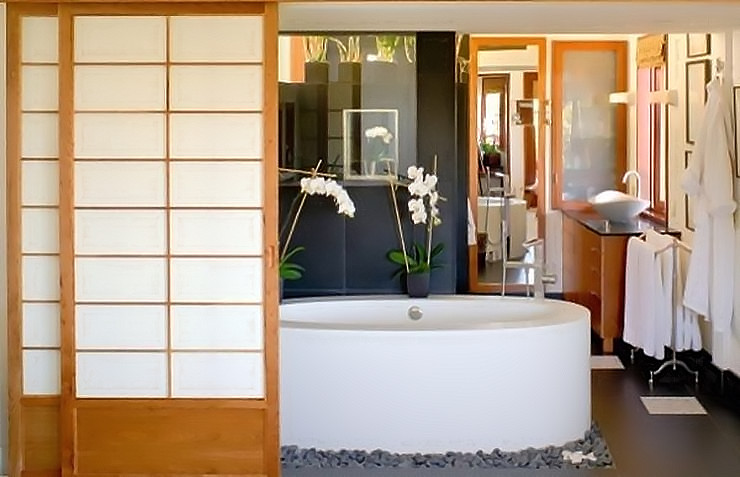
(504, 80)
(530, 155)
(68, 403)
(558, 49)
(478, 44)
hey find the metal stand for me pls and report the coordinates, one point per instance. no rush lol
(673, 362)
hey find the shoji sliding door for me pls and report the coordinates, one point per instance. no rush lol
(34, 332)
(159, 126)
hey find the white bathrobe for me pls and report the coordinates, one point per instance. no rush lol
(708, 180)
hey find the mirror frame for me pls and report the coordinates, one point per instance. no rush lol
(477, 44)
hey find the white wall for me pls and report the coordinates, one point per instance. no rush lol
(725, 349)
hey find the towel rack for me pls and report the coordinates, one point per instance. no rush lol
(673, 362)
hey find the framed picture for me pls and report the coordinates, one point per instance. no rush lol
(698, 74)
(736, 115)
(698, 44)
(688, 216)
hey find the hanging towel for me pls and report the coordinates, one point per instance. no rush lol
(643, 281)
(664, 307)
(688, 333)
(679, 326)
(472, 234)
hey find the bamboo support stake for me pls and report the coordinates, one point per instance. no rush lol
(311, 173)
(398, 220)
(430, 226)
(314, 172)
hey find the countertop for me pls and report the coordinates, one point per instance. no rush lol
(593, 221)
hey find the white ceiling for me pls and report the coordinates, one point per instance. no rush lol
(514, 17)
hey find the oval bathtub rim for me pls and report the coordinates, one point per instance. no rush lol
(580, 313)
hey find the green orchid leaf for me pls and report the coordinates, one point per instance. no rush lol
(396, 256)
(290, 274)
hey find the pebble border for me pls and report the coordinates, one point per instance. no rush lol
(551, 457)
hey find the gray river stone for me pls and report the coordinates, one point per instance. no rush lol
(551, 457)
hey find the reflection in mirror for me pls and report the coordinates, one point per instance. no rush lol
(507, 118)
(349, 101)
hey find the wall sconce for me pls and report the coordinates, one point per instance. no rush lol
(666, 96)
(622, 97)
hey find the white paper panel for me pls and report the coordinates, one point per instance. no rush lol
(216, 88)
(39, 37)
(40, 230)
(119, 135)
(219, 136)
(202, 375)
(121, 232)
(39, 183)
(120, 88)
(216, 232)
(121, 327)
(40, 88)
(40, 278)
(41, 326)
(219, 184)
(125, 184)
(39, 135)
(42, 372)
(216, 39)
(216, 280)
(120, 279)
(121, 374)
(217, 327)
(120, 39)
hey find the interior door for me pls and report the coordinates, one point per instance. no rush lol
(160, 137)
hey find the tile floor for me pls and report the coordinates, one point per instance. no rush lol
(641, 444)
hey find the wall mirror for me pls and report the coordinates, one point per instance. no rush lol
(506, 125)
(348, 101)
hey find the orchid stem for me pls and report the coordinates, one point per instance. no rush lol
(430, 226)
(398, 221)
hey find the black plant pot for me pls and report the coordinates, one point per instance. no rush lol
(417, 284)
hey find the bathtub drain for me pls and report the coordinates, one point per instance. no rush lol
(415, 313)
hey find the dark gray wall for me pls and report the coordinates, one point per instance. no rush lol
(348, 256)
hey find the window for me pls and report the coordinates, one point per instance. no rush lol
(651, 140)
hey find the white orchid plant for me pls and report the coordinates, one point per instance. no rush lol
(423, 204)
(315, 184)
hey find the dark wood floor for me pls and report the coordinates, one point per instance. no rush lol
(642, 445)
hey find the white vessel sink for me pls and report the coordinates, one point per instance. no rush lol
(617, 206)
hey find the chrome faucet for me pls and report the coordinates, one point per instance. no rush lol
(541, 278)
(626, 177)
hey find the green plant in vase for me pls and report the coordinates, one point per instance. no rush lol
(349, 53)
(417, 262)
(386, 45)
(314, 49)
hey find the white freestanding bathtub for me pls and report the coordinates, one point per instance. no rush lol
(474, 372)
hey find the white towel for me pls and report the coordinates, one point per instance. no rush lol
(642, 283)
(688, 333)
(472, 234)
(663, 316)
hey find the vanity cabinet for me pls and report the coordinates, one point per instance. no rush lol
(593, 276)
